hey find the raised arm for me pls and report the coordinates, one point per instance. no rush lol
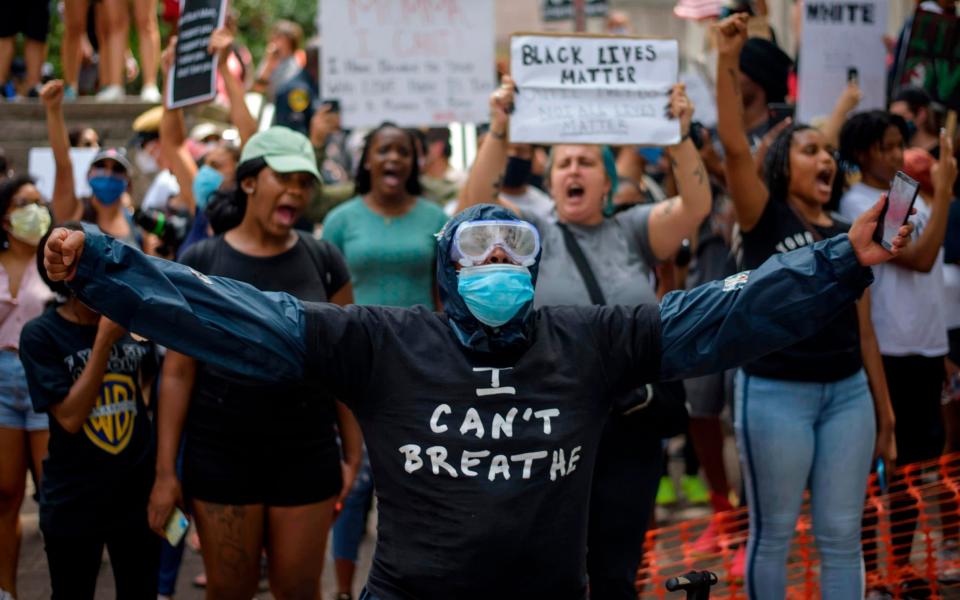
(66, 207)
(221, 43)
(726, 323)
(849, 99)
(486, 174)
(173, 137)
(678, 218)
(747, 190)
(226, 323)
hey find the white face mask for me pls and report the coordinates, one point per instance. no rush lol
(29, 223)
(146, 163)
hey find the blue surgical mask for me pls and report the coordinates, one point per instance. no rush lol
(494, 294)
(107, 188)
(205, 183)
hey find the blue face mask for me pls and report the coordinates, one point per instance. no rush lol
(205, 183)
(495, 293)
(107, 188)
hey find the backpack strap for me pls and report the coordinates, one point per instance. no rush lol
(586, 273)
(320, 255)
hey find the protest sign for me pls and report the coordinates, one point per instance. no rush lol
(561, 10)
(701, 93)
(838, 37)
(41, 166)
(593, 90)
(193, 77)
(932, 57)
(411, 62)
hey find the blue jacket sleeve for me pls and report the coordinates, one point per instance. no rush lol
(224, 322)
(726, 323)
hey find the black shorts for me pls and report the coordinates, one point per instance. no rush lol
(260, 445)
(31, 18)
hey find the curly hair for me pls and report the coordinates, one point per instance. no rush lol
(776, 164)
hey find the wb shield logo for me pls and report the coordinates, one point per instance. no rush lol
(110, 424)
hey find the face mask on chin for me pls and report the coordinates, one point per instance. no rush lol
(494, 294)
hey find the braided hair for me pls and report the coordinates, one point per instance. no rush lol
(776, 164)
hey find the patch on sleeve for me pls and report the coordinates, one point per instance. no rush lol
(735, 282)
(200, 276)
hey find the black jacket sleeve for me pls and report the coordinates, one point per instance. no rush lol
(726, 323)
(224, 322)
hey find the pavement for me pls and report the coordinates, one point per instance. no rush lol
(34, 582)
(33, 579)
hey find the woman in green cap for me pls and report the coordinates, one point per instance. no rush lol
(260, 477)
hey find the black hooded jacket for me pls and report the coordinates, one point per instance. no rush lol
(482, 453)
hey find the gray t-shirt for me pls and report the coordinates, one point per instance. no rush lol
(618, 251)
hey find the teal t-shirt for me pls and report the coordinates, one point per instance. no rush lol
(391, 259)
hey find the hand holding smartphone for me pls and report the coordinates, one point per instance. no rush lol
(897, 209)
(176, 526)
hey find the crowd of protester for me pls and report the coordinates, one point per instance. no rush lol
(119, 432)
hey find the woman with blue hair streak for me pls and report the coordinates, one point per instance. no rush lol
(617, 256)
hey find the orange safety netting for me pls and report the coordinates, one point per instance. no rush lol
(925, 564)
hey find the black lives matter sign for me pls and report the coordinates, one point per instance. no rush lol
(193, 76)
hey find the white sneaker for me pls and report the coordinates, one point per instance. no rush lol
(151, 94)
(110, 93)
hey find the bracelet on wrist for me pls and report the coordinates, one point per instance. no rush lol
(500, 135)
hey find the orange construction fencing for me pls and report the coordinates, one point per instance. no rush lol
(910, 541)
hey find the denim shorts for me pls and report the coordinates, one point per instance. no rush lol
(16, 411)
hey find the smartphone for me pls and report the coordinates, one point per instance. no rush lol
(333, 104)
(882, 476)
(896, 211)
(778, 111)
(176, 526)
(853, 75)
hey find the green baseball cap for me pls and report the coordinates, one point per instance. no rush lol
(283, 149)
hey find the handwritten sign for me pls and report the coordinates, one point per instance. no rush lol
(560, 10)
(838, 36)
(593, 90)
(413, 62)
(41, 166)
(932, 58)
(193, 75)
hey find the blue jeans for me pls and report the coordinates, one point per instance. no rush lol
(16, 410)
(351, 522)
(790, 435)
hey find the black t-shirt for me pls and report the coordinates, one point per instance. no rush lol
(834, 352)
(99, 477)
(482, 463)
(312, 270)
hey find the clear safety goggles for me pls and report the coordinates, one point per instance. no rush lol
(475, 241)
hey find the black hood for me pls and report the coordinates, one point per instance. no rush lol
(471, 332)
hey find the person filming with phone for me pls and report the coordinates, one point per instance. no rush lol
(906, 301)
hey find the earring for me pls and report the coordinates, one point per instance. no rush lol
(248, 190)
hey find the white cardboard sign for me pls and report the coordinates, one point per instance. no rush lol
(413, 63)
(593, 90)
(838, 36)
(41, 166)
